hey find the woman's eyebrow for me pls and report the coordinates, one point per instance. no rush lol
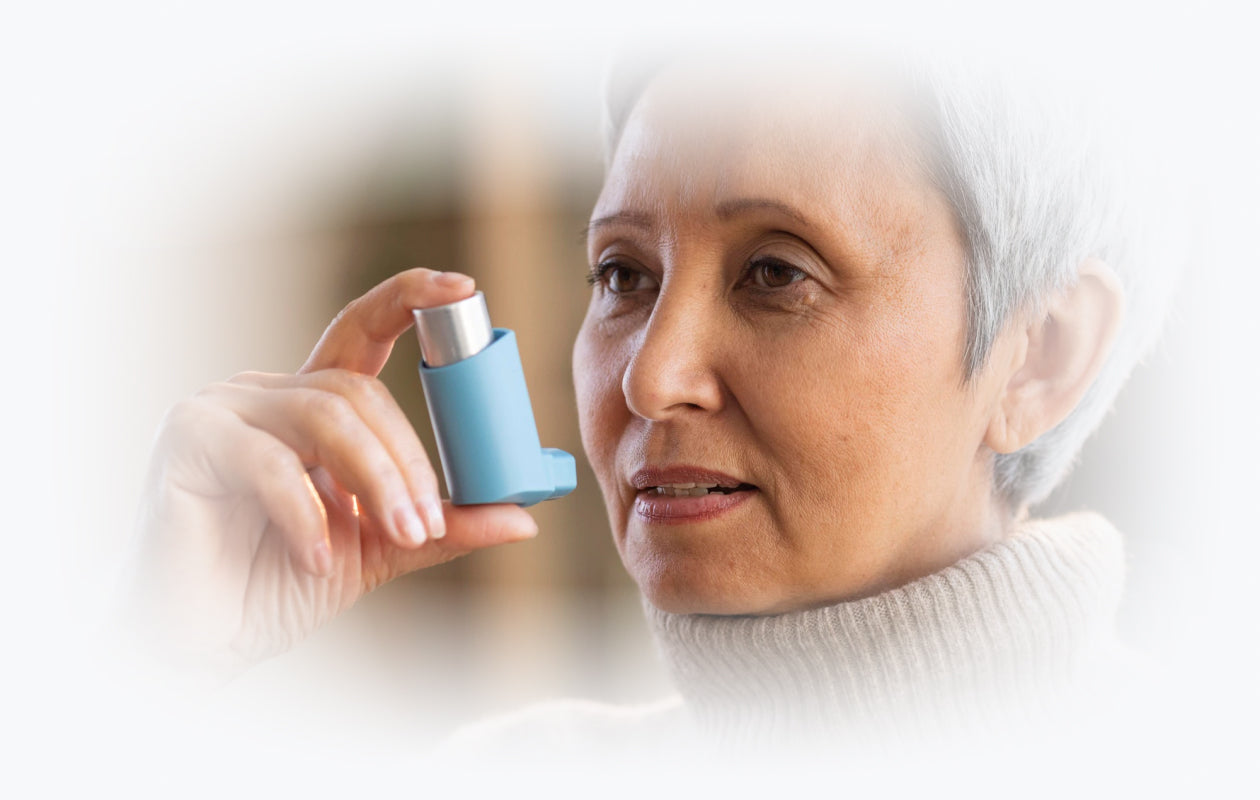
(724, 210)
(634, 219)
(732, 208)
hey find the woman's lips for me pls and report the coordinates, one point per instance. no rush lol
(662, 495)
(669, 510)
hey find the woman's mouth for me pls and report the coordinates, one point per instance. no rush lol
(696, 489)
(686, 495)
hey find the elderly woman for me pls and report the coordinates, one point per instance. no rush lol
(843, 332)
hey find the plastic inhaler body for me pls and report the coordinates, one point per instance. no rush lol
(481, 413)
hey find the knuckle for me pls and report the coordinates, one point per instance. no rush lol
(186, 421)
(213, 391)
(327, 408)
(248, 377)
(373, 394)
(366, 392)
(354, 384)
(275, 461)
(356, 309)
(187, 412)
(346, 311)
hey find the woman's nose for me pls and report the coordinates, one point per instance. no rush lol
(672, 371)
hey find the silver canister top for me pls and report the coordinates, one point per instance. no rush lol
(453, 332)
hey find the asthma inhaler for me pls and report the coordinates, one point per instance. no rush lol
(480, 410)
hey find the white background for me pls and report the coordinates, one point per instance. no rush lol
(134, 131)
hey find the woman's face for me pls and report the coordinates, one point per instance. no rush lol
(778, 317)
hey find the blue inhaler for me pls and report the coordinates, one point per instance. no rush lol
(480, 410)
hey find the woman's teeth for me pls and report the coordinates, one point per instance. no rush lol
(685, 489)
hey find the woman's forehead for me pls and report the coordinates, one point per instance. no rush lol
(838, 153)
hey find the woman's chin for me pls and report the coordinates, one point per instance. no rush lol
(678, 590)
(709, 568)
(674, 601)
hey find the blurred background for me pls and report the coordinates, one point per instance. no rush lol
(196, 194)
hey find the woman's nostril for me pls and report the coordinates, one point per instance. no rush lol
(662, 389)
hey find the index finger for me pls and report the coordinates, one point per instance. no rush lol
(361, 337)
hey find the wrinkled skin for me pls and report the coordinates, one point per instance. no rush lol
(780, 298)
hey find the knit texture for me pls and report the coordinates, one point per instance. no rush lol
(1002, 638)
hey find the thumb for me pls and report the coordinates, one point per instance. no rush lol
(468, 528)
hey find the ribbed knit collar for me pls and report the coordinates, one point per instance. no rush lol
(998, 636)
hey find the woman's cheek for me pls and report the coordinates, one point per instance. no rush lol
(828, 407)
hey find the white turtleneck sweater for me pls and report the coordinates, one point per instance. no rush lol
(1012, 638)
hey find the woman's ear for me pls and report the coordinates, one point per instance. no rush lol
(1057, 357)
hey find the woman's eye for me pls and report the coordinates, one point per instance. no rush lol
(770, 273)
(621, 279)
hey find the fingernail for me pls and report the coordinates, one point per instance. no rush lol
(409, 524)
(451, 279)
(527, 533)
(433, 517)
(322, 559)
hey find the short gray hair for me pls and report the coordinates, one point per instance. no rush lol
(1035, 197)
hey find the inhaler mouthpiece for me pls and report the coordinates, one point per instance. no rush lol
(475, 388)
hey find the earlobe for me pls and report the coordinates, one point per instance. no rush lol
(1002, 435)
(1056, 357)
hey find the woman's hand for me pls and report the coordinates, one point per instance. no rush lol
(275, 501)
